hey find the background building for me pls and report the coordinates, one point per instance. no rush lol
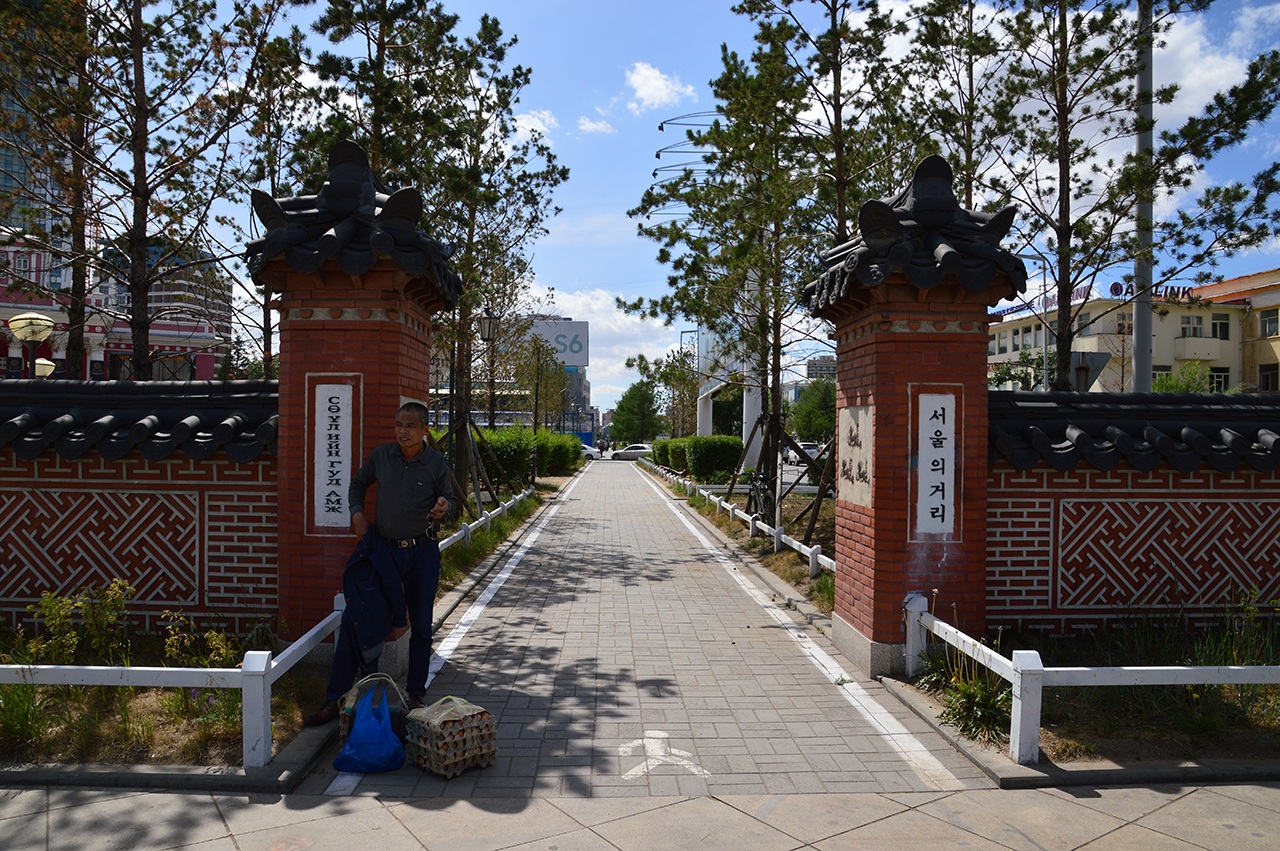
(1187, 326)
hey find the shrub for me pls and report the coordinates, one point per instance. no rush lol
(558, 454)
(660, 455)
(712, 453)
(677, 450)
(512, 446)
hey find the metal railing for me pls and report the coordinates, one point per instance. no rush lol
(817, 561)
(1028, 677)
(257, 673)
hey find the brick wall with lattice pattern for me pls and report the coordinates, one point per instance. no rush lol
(1081, 549)
(195, 536)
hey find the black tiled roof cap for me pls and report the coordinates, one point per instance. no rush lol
(1144, 430)
(355, 219)
(157, 418)
(924, 233)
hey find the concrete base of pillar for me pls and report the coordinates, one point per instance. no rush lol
(872, 658)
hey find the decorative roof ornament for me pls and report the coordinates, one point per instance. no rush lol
(924, 233)
(354, 220)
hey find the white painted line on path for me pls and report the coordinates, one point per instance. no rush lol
(912, 750)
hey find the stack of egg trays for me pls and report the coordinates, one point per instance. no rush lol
(450, 736)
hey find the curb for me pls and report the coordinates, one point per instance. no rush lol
(283, 775)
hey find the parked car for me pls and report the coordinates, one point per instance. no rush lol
(792, 457)
(590, 453)
(631, 453)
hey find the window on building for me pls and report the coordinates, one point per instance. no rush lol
(1017, 338)
(1220, 326)
(1219, 378)
(1026, 338)
(1038, 342)
(1269, 378)
(991, 344)
(1160, 369)
(1269, 322)
(1124, 323)
(1082, 325)
(1002, 342)
(1193, 326)
(21, 262)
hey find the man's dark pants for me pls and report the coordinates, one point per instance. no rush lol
(419, 569)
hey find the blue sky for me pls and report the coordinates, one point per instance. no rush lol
(605, 73)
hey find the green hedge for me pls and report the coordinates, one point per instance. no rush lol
(677, 451)
(708, 456)
(558, 454)
(512, 446)
(660, 456)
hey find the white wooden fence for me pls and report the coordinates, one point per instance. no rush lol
(257, 672)
(711, 493)
(1028, 676)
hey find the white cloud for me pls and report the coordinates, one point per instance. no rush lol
(540, 121)
(654, 89)
(586, 125)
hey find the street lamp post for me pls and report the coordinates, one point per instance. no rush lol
(488, 333)
(31, 329)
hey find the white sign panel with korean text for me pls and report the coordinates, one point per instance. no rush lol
(934, 513)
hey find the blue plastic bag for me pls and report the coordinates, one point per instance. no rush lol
(372, 745)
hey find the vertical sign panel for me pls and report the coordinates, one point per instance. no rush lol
(331, 447)
(935, 465)
(855, 453)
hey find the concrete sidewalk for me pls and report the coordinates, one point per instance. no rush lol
(652, 693)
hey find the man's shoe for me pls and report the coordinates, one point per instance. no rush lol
(417, 702)
(323, 715)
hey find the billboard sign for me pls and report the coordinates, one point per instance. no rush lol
(568, 339)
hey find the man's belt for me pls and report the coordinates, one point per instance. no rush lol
(405, 543)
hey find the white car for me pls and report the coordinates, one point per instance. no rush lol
(633, 452)
(590, 453)
(811, 449)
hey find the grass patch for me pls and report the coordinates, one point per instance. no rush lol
(1133, 723)
(789, 565)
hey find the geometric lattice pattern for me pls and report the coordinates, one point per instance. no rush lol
(1158, 554)
(63, 540)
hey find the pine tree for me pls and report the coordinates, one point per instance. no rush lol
(1067, 100)
(741, 252)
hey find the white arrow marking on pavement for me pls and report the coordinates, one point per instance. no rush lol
(926, 766)
(658, 751)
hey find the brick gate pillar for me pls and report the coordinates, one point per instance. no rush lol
(357, 285)
(909, 299)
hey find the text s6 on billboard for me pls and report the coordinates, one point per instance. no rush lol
(568, 339)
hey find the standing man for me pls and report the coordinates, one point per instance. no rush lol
(414, 495)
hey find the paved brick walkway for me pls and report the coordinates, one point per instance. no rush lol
(624, 656)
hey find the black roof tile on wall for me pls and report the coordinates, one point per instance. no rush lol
(1143, 430)
(925, 234)
(354, 220)
(158, 418)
